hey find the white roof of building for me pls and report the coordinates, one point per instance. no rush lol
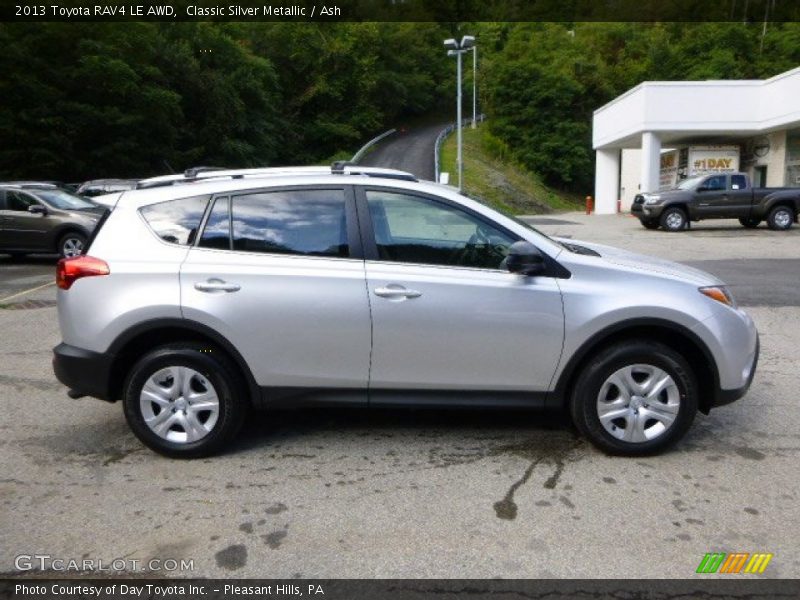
(682, 110)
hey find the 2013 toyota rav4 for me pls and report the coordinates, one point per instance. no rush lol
(199, 301)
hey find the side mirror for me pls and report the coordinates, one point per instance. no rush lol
(525, 259)
(37, 209)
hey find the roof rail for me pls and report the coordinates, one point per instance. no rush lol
(343, 167)
(196, 174)
(192, 172)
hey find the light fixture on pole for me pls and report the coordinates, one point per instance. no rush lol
(456, 48)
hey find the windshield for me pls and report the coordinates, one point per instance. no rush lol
(688, 184)
(64, 200)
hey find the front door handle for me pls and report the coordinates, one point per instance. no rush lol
(216, 285)
(396, 292)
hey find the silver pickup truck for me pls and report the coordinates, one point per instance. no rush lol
(722, 196)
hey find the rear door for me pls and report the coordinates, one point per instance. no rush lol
(740, 197)
(446, 314)
(280, 274)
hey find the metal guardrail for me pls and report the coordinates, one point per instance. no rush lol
(441, 137)
(360, 154)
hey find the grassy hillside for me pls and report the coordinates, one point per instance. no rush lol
(491, 175)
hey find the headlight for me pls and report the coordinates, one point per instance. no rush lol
(719, 293)
(652, 199)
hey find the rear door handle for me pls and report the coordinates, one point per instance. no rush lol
(216, 285)
(397, 292)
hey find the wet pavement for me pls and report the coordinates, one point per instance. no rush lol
(412, 493)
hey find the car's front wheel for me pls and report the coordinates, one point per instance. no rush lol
(184, 400)
(674, 219)
(635, 398)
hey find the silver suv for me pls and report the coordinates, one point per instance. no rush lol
(199, 301)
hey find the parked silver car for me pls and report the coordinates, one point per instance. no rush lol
(367, 287)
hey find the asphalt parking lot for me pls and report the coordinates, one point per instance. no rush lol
(342, 493)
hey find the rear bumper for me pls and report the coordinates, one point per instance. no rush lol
(83, 371)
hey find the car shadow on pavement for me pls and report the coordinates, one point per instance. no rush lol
(264, 428)
(29, 259)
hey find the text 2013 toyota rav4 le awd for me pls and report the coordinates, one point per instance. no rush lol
(199, 301)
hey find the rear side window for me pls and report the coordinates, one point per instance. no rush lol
(176, 221)
(738, 182)
(297, 222)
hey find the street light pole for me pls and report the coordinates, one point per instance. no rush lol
(458, 48)
(474, 87)
(459, 163)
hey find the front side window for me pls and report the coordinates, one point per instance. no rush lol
(413, 229)
(297, 222)
(19, 201)
(176, 221)
(715, 184)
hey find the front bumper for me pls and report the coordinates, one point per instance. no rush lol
(723, 397)
(84, 372)
(647, 212)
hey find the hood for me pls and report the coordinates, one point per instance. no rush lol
(666, 193)
(648, 264)
(88, 213)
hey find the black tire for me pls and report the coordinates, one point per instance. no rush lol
(209, 363)
(584, 399)
(749, 222)
(647, 224)
(70, 243)
(781, 218)
(674, 219)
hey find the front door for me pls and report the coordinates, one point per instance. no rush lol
(446, 315)
(23, 229)
(713, 197)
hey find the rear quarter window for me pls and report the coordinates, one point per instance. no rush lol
(176, 221)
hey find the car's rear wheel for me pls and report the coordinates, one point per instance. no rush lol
(635, 398)
(780, 218)
(648, 224)
(749, 222)
(674, 219)
(71, 244)
(184, 400)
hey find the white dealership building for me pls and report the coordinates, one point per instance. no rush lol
(662, 131)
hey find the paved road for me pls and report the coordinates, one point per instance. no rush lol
(410, 151)
(344, 493)
(25, 273)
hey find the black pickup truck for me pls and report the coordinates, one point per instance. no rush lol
(723, 196)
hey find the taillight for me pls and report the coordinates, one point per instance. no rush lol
(71, 269)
